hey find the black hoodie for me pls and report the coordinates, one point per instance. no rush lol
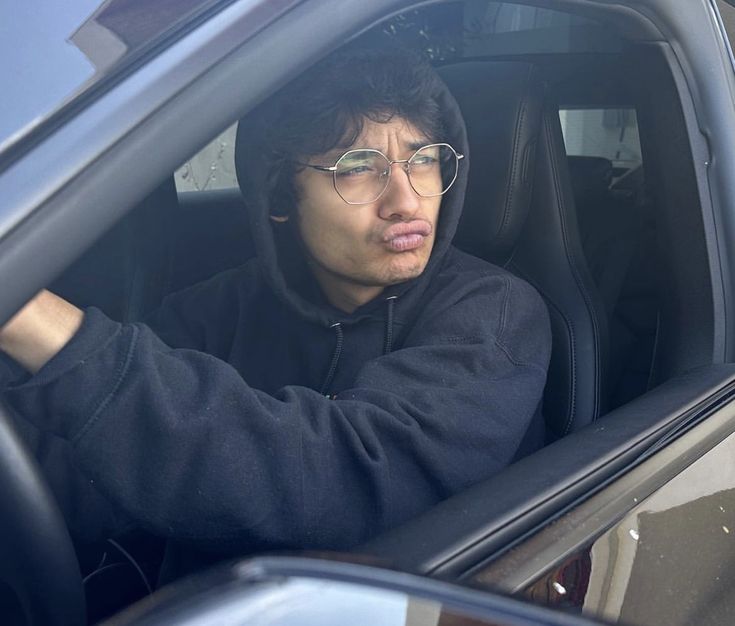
(249, 414)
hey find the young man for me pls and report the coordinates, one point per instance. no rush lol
(360, 371)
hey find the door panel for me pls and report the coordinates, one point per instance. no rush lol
(472, 535)
(655, 546)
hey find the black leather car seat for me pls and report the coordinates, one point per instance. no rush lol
(520, 213)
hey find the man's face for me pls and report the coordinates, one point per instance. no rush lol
(355, 251)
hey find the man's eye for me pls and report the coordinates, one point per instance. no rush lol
(356, 170)
(424, 160)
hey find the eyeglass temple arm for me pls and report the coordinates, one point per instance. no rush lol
(321, 168)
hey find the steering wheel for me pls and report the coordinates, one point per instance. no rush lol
(37, 558)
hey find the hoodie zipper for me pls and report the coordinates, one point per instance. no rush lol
(387, 346)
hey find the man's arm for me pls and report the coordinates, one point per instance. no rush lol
(40, 330)
(178, 440)
(32, 337)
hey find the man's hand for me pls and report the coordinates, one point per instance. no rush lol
(39, 330)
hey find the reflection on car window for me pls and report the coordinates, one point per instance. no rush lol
(482, 28)
(505, 28)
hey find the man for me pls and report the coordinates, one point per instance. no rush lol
(360, 371)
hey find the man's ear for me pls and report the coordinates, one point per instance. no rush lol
(280, 219)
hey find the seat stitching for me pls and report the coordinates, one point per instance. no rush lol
(520, 123)
(578, 280)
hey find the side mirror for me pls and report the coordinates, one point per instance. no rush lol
(289, 591)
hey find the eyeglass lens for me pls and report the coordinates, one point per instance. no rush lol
(362, 175)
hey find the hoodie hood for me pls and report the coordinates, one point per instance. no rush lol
(283, 269)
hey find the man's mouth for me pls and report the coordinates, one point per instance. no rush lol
(407, 235)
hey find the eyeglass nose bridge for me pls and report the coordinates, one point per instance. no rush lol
(405, 166)
(387, 174)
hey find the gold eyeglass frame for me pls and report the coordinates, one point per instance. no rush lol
(406, 163)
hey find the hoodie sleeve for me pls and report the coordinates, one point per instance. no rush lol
(177, 439)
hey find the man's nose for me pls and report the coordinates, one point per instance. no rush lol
(399, 200)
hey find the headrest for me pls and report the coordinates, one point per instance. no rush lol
(501, 102)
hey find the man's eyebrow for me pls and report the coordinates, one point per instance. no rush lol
(337, 152)
(415, 145)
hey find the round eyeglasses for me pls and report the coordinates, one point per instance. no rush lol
(362, 176)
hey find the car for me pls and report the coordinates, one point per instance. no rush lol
(601, 146)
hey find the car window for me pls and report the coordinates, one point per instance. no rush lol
(213, 167)
(86, 44)
(609, 133)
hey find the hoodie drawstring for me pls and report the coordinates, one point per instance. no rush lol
(388, 345)
(335, 358)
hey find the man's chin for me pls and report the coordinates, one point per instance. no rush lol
(403, 273)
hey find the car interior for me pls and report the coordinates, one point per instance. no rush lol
(582, 182)
(576, 226)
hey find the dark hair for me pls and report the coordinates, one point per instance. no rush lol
(326, 107)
